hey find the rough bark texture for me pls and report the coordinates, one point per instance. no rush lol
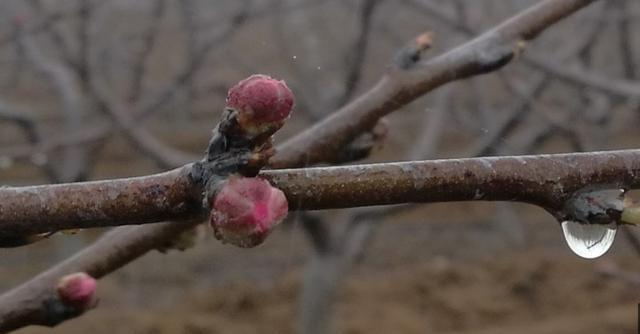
(544, 180)
(50, 208)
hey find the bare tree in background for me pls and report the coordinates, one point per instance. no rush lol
(84, 75)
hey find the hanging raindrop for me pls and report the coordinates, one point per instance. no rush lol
(591, 219)
(589, 240)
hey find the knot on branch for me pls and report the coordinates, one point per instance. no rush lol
(412, 52)
(494, 55)
(244, 209)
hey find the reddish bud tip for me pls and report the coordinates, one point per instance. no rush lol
(261, 102)
(245, 210)
(77, 290)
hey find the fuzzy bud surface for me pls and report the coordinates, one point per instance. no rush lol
(245, 210)
(77, 290)
(262, 103)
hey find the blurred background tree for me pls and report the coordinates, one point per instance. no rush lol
(102, 89)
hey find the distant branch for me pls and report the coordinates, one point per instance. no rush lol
(487, 52)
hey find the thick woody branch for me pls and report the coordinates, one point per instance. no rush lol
(239, 145)
(398, 87)
(50, 208)
(544, 180)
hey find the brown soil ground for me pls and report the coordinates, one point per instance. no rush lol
(448, 275)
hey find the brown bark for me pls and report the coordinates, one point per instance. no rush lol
(544, 180)
(50, 208)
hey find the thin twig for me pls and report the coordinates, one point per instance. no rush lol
(73, 166)
(356, 55)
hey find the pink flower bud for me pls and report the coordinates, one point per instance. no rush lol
(261, 102)
(245, 210)
(77, 290)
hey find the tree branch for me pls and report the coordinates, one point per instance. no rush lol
(485, 53)
(356, 56)
(19, 307)
(24, 305)
(544, 180)
(235, 148)
(63, 82)
(576, 76)
(572, 75)
(50, 208)
(149, 40)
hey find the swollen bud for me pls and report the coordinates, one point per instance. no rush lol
(245, 210)
(262, 104)
(77, 290)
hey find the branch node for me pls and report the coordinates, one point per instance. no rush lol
(411, 54)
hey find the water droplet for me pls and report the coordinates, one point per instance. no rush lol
(589, 240)
(295, 57)
(595, 206)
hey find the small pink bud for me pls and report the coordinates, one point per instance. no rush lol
(77, 290)
(261, 102)
(245, 210)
